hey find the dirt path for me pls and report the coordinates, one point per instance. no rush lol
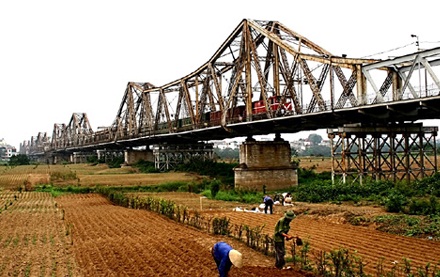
(109, 240)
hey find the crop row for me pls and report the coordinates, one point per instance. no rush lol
(33, 237)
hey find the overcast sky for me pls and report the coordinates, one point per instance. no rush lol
(61, 57)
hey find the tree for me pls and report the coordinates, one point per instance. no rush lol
(315, 139)
(227, 153)
(318, 150)
(19, 159)
(293, 152)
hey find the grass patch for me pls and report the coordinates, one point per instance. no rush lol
(409, 225)
(57, 191)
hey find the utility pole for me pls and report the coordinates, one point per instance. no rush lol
(418, 49)
(417, 41)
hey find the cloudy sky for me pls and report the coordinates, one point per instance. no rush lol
(61, 57)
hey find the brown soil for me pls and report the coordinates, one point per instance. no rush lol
(109, 240)
(34, 240)
(331, 234)
(326, 228)
(318, 164)
(86, 235)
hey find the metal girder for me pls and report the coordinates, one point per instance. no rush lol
(167, 157)
(261, 62)
(402, 152)
(39, 143)
(239, 73)
(78, 130)
(348, 88)
(411, 63)
(59, 136)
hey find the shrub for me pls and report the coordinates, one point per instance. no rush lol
(115, 162)
(424, 206)
(19, 159)
(92, 159)
(429, 185)
(215, 187)
(146, 167)
(418, 206)
(221, 171)
(395, 202)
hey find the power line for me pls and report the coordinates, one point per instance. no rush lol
(401, 47)
(391, 50)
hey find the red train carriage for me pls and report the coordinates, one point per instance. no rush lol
(278, 107)
(238, 114)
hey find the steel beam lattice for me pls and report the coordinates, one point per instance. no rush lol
(398, 153)
(260, 62)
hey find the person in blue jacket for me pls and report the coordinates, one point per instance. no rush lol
(225, 256)
(268, 203)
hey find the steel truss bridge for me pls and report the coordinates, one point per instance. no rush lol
(298, 86)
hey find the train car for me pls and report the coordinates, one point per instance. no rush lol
(275, 105)
(237, 114)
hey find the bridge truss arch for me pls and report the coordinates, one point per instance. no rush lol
(264, 78)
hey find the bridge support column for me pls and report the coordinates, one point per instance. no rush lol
(106, 155)
(43, 159)
(168, 156)
(402, 152)
(132, 156)
(59, 158)
(265, 163)
(80, 157)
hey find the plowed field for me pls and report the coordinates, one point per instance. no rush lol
(34, 240)
(324, 226)
(86, 235)
(113, 241)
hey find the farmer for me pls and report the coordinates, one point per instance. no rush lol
(281, 232)
(268, 203)
(279, 199)
(225, 256)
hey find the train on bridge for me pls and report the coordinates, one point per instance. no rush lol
(265, 78)
(277, 106)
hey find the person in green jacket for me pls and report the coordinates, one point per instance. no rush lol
(281, 232)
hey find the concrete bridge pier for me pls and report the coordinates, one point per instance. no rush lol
(80, 157)
(132, 156)
(43, 159)
(59, 158)
(265, 163)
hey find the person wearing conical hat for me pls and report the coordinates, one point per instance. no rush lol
(225, 256)
(281, 232)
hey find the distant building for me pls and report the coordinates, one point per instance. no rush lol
(222, 144)
(300, 145)
(6, 151)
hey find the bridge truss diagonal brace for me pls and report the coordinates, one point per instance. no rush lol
(401, 65)
(404, 152)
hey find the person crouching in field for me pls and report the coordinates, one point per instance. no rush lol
(225, 256)
(268, 204)
(281, 232)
